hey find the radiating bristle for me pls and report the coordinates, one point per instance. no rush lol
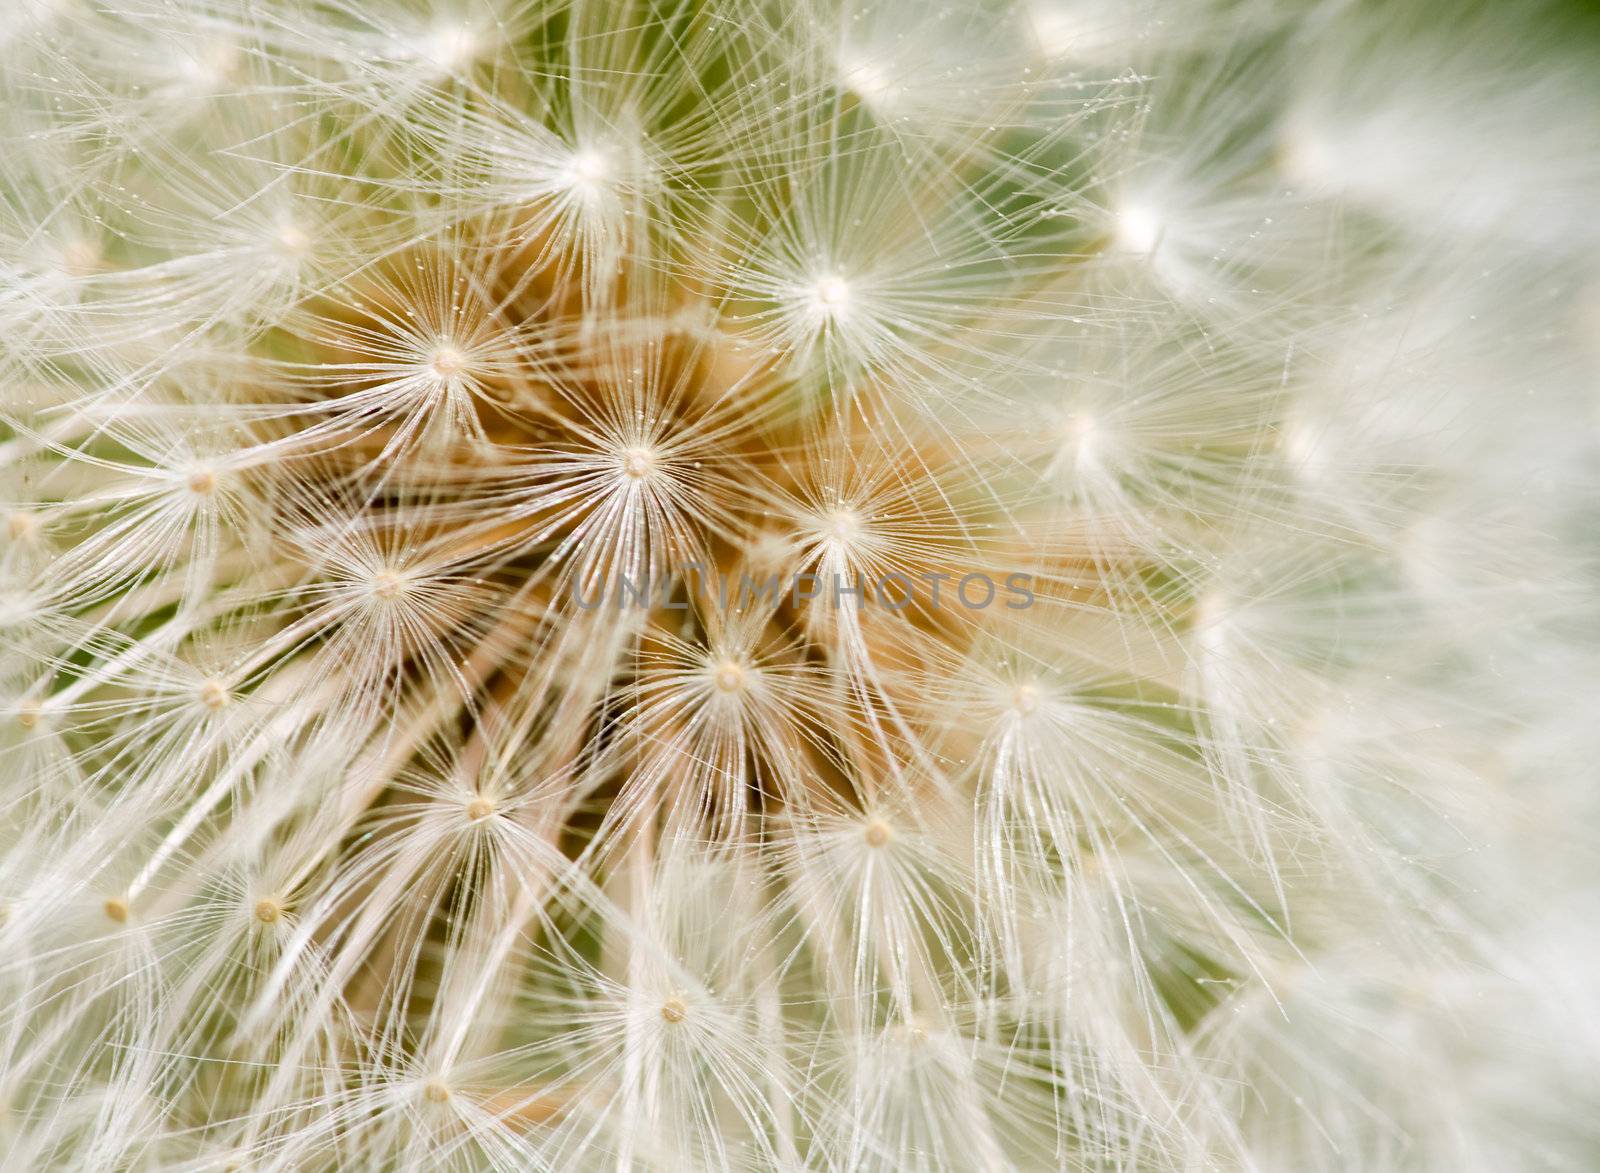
(752, 585)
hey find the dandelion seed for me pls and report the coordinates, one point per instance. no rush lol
(831, 296)
(842, 525)
(589, 169)
(1139, 229)
(449, 46)
(492, 497)
(21, 526)
(870, 79)
(292, 241)
(447, 362)
(388, 584)
(638, 463)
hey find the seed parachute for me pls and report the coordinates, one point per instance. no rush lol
(852, 585)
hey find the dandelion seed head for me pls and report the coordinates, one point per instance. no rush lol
(1213, 612)
(841, 525)
(1085, 441)
(81, 258)
(870, 78)
(830, 297)
(1088, 31)
(1055, 28)
(1305, 157)
(22, 526)
(1026, 698)
(1138, 228)
(1309, 446)
(878, 834)
(422, 426)
(729, 676)
(447, 361)
(206, 67)
(291, 243)
(446, 46)
(911, 1034)
(639, 463)
(388, 584)
(589, 171)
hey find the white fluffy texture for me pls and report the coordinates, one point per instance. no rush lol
(347, 347)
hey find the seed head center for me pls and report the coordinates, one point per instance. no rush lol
(448, 361)
(831, 295)
(21, 525)
(1138, 229)
(80, 258)
(843, 525)
(292, 241)
(449, 46)
(388, 584)
(638, 463)
(589, 168)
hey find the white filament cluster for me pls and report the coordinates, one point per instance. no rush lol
(418, 422)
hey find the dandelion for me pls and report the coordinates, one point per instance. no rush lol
(701, 584)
